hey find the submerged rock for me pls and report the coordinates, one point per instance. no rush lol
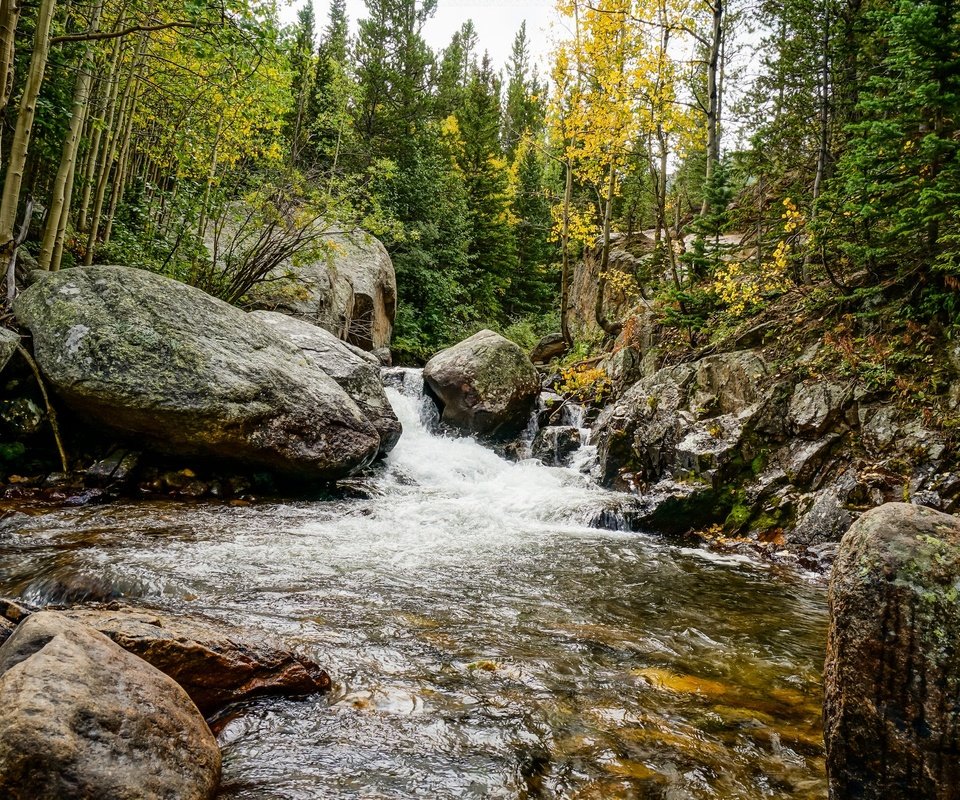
(82, 719)
(484, 385)
(174, 369)
(892, 676)
(215, 665)
(357, 372)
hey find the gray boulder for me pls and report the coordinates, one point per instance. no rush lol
(485, 385)
(356, 371)
(182, 372)
(350, 290)
(891, 680)
(815, 407)
(82, 719)
(548, 348)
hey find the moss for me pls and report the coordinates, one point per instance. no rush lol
(759, 463)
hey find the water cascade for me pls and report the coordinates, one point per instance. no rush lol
(485, 640)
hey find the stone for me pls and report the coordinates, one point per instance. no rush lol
(175, 370)
(554, 445)
(550, 347)
(356, 372)
(816, 406)
(485, 385)
(214, 664)
(83, 719)
(825, 516)
(9, 342)
(116, 469)
(350, 290)
(892, 676)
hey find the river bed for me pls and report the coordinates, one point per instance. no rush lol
(484, 641)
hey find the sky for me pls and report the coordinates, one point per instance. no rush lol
(497, 22)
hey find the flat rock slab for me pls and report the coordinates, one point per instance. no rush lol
(214, 664)
(892, 675)
(83, 719)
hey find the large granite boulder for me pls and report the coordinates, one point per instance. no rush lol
(174, 369)
(215, 665)
(350, 289)
(83, 719)
(356, 371)
(892, 677)
(485, 385)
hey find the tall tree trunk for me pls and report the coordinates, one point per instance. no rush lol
(610, 328)
(59, 203)
(21, 143)
(713, 102)
(9, 18)
(565, 264)
(823, 147)
(120, 180)
(110, 149)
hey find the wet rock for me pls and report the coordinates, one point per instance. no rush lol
(554, 445)
(178, 371)
(892, 677)
(82, 719)
(484, 385)
(69, 587)
(213, 663)
(816, 406)
(357, 373)
(350, 290)
(548, 348)
(114, 470)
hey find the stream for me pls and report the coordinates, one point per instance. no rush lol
(484, 640)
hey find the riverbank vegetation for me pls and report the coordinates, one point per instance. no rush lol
(801, 150)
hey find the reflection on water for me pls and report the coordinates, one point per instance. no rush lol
(484, 642)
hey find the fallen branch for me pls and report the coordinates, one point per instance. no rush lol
(51, 414)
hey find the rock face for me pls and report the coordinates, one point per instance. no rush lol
(357, 372)
(485, 385)
(892, 678)
(351, 291)
(629, 255)
(214, 666)
(173, 368)
(555, 444)
(685, 420)
(82, 719)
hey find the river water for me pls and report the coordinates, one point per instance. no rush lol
(484, 641)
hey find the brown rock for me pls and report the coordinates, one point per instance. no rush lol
(216, 666)
(82, 719)
(892, 677)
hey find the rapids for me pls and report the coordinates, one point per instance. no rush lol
(484, 640)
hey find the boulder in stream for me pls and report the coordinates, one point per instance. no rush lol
(356, 371)
(83, 719)
(177, 370)
(892, 676)
(214, 664)
(485, 385)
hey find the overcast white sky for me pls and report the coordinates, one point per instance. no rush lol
(496, 21)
